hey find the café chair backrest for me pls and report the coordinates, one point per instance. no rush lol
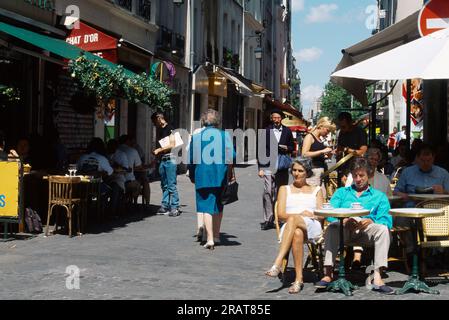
(61, 194)
(61, 189)
(436, 226)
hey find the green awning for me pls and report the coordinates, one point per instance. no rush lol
(56, 46)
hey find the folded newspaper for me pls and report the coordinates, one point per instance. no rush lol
(166, 141)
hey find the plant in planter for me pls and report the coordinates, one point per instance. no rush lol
(227, 57)
(106, 83)
(235, 62)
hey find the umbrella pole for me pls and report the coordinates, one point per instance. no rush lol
(373, 122)
(409, 112)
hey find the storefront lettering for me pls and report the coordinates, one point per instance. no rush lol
(2, 201)
(43, 4)
(88, 38)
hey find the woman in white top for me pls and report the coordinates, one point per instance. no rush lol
(296, 204)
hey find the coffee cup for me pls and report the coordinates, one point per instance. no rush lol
(356, 206)
(327, 205)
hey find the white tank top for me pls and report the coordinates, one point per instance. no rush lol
(299, 202)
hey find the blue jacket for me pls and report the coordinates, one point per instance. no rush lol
(211, 151)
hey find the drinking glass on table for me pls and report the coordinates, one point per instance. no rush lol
(72, 170)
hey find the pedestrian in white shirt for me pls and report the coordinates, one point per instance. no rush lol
(132, 185)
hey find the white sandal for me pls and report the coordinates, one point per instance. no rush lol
(273, 272)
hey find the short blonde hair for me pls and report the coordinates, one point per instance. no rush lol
(326, 123)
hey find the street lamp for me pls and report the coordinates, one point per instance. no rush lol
(258, 53)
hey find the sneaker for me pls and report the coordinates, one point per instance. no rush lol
(163, 211)
(174, 213)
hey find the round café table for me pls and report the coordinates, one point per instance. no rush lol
(341, 284)
(417, 214)
(431, 196)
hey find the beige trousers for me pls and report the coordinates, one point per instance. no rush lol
(376, 234)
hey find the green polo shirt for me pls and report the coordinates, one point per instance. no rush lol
(374, 200)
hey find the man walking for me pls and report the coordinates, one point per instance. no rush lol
(274, 180)
(167, 167)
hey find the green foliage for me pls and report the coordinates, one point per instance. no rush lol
(9, 95)
(335, 100)
(296, 101)
(107, 83)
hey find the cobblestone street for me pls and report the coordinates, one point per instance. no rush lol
(146, 256)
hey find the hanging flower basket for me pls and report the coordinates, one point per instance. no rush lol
(107, 83)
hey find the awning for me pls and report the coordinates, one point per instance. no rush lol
(398, 34)
(243, 87)
(424, 58)
(285, 107)
(55, 46)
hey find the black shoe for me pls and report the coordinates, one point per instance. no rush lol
(174, 213)
(356, 265)
(267, 226)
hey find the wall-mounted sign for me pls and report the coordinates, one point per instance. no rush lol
(95, 41)
(48, 5)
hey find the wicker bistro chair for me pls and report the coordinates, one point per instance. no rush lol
(435, 227)
(314, 254)
(61, 194)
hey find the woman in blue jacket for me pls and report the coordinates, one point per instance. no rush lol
(210, 166)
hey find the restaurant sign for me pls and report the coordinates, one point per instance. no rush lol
(95, 41)
(48, 5)
(9, 189)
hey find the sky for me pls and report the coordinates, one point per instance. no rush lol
(320, 30)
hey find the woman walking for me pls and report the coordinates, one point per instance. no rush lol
(211, 158)
(314, 148)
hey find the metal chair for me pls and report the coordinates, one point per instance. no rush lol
(61, 194)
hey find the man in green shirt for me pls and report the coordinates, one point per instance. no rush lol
(371, 229)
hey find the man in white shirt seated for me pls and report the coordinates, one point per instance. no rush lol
(94, 162)
(119, 162)
(132, 186)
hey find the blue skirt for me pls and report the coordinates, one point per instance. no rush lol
(208, 200)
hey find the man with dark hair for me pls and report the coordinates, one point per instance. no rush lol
(371, 229)
(167, 168)
(417, 178)
(351, 139)
(424, 174)
(274, 180)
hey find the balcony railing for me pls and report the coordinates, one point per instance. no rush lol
(140, 8)
(125, 4)
(144, 10)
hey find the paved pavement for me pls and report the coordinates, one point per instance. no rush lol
(146, 256)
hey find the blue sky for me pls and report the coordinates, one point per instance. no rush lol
(320, 30)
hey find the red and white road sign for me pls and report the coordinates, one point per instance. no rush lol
(433, 17)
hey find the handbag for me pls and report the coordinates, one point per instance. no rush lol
(230, 191)
(284, 162)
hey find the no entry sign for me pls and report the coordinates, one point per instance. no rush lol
(434, 16)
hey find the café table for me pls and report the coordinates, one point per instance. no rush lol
(428, 196)
(416, 214)
(341, 284)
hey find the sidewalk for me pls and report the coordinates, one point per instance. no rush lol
(146, 256)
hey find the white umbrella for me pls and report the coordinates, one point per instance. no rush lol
(425, 58)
